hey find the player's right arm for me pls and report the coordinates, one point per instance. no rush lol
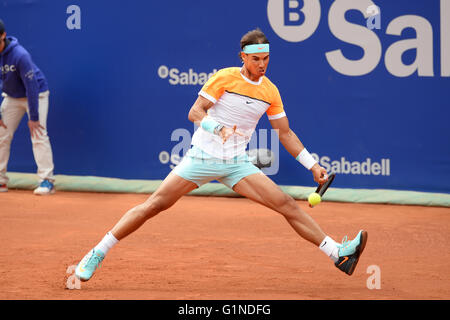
(199, 111)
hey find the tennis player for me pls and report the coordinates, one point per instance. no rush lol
(227, 111)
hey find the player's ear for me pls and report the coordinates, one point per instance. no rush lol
(243, 56)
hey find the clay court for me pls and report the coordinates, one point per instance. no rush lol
(217, 248)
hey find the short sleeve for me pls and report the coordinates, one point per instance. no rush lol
(276, 109)
(214, 87)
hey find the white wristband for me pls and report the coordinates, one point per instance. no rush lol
(306, 159)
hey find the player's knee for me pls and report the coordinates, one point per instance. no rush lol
(287, 205)
(283, 203)
(155, 205)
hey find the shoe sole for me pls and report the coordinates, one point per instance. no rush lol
(44, 194)
(82, 279)
(359, 251)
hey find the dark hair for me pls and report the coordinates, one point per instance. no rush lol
(255, 36)
(2, 27)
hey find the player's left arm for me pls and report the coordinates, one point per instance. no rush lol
(294, 146)
(199, 111)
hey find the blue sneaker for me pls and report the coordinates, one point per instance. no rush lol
(45, 188)
(91, 262)
(350, 251)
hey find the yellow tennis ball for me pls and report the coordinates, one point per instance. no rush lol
(314, 199)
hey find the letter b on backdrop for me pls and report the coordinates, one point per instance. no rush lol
(294, 20)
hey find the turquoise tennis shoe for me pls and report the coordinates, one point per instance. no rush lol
(350, 251)
(91, 262)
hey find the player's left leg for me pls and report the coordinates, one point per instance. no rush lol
(42, 151)
(258, 187)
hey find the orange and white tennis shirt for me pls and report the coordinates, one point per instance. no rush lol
(240, 102)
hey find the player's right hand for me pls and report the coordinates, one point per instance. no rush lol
(225, 133)
(2, 124)
(320, 174)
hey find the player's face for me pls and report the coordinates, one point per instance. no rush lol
(256, 64)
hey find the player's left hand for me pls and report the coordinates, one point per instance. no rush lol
(226, 133)
(35, 128)
(319, 173)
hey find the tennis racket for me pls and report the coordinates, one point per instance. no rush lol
(322, 188)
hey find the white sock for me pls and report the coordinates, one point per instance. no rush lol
(107, 243)
(330, 248)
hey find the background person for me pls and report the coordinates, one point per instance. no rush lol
(25, 90)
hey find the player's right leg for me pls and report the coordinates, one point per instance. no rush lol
(170, 190)
(350, 251)
(260, 188)
(12, 111)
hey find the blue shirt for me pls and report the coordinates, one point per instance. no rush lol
(20, 77)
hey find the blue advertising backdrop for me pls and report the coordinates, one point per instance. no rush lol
(367, 89)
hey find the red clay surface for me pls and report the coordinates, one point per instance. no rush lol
(217, 248)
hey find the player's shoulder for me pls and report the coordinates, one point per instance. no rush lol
(230, 72)
(269, 84)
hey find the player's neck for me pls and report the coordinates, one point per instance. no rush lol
(2, 45)
(249, 75)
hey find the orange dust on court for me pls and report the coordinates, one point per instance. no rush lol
(217, 248)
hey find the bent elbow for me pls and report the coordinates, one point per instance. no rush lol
(191, 116)
(285, 135)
